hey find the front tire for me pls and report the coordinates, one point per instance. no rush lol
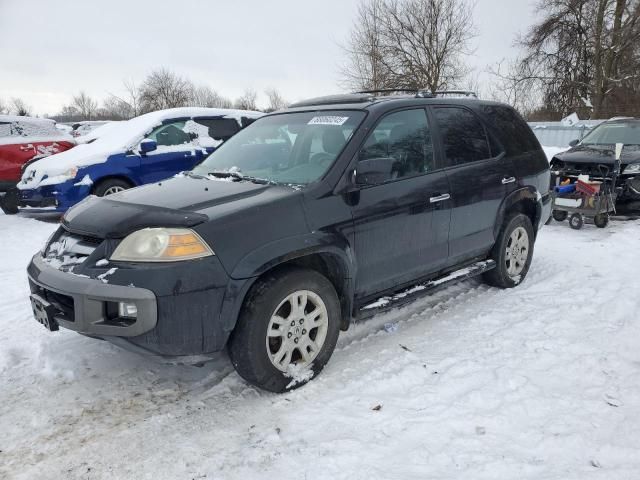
(9, 202)
(512, 252)
(287, 330)
(110, 186)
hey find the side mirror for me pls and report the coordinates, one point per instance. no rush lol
(147, 145)
(374, 171)
(573, 143)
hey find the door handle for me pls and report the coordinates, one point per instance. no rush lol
(439, 198)
(506, 180)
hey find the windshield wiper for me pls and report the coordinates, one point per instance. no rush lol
(191, 174)
(239, 177)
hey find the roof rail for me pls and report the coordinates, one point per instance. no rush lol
(418, 92)
(464, 93)
(331, 99)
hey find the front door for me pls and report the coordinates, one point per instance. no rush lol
(480, 177)
(177, 151)
(401, 225)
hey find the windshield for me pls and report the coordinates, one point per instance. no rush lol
(289, 148)
(612, 133)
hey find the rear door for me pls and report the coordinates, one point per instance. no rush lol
(480, 177)
(401, 226)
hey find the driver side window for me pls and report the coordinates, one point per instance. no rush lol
(170, 134)
(403, 137)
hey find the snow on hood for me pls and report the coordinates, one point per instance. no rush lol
(119, 138)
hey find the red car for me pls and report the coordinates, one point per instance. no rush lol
(24, 140)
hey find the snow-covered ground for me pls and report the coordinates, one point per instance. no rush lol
(539, 382)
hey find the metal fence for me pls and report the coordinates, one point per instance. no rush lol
(557, 134)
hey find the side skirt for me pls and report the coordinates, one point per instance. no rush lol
(408, 295)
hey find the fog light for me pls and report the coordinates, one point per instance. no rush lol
(128, 310)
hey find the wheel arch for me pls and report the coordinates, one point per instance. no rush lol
(332, 262)
(524, 200)
(114, 176)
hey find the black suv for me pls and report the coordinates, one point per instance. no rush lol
(298, 226)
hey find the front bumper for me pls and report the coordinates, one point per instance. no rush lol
(82, 304)
(179, 304)
(52, 198)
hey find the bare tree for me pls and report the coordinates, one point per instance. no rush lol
(204, 96)
(116, 108)
(164, 89)
(19, 107)
(276, 101)
(247, 101)
(4, 108)
(85, 105)
(365, 68)
(409, 44)
(584, 55)
(515, 84)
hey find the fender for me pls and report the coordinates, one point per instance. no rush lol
(113, 167)
(523, 194)
(268, 256)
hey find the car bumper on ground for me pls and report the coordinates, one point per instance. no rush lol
(177, 306)
(52, 198)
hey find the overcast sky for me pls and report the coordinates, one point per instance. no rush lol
(51, 49)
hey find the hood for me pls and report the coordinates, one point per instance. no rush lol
(55, 167)
(596, 154)
(178, 202)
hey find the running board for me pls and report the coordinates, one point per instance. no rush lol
(408, 295)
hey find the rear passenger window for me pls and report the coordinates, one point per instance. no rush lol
(463, 136)
(511, 129)
(404, 137)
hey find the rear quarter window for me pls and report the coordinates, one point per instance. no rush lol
(512, 131)
(220, 128)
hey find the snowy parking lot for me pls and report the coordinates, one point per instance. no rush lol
(538, 382)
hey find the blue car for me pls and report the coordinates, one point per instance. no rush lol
(145, 149)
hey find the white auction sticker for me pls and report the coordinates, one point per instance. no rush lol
(328, 120)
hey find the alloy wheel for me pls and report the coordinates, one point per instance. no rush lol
(517, 252)
(297, 330)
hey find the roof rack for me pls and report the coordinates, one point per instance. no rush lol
(366, 96)
(423, 93)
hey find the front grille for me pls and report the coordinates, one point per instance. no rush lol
(63, 303)
(43, 203)
(68, 250)
(591, 169)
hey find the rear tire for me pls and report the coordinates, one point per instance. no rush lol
(512, 252)
(292, 305)
(9, 202)
(560, 215)
(110, 186)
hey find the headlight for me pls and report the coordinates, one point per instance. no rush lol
(633, 168)
(161, 245)
(71, 173)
